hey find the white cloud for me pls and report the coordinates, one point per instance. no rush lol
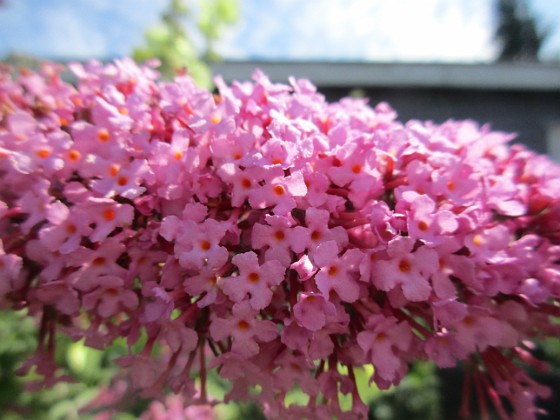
(440, 30)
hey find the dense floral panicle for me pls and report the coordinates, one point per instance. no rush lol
(271, 236)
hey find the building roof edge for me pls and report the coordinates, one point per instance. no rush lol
(495, 76)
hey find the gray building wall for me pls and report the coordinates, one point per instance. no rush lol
(527, 113)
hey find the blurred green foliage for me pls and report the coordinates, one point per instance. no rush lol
(90, 368)
(173, 40)
(417, 397)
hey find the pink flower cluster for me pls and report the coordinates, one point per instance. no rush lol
(273, 237)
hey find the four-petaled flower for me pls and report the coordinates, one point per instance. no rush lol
(253, 279)
(385, 340)
(410, 270)
(245, 329)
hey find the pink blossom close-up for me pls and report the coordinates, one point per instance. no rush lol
(270, 238)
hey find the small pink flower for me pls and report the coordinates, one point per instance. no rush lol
(317, 232)
(317, 186)
(478, 330)
(444, 350)
(66, 230)
(488, 243)
(207, 282)
(432, 226)
(406, 269)
(457, 183)
(197, 244)
(53, 263)
(244, 328)
(60, 295)
(242, 181)
(107, 215)
(383, 340)
(279, 192)
(276, 237)
(122, 181)
(35, 202)
(451, 266)
(110, 297)
(338, 274)
(253, 279)
(304, 268)
(95, 263)
(160, 304)
(313, 310)
(292, 370)
(178, 337)
(97, 147)
(356, 167)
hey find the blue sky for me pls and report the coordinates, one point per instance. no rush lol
(371, 30)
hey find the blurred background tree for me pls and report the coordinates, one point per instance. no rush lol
(518, 33)
(173, 40)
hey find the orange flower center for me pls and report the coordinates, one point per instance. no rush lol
(315, 235)
(333, 270)
(74, 155)
(103, 135)
(111, 292)
(404, 266)
(109, 214)
(468, 321)
(243, 325)
(99, 261)
(71, 229)
(253, 277)
(246, 183)
(122, 181)
(43, 153)
(279, 190)
(113, 169)
(295, 367)
(423, 226)
(451, 186)
(279, 235)
(478, 240)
